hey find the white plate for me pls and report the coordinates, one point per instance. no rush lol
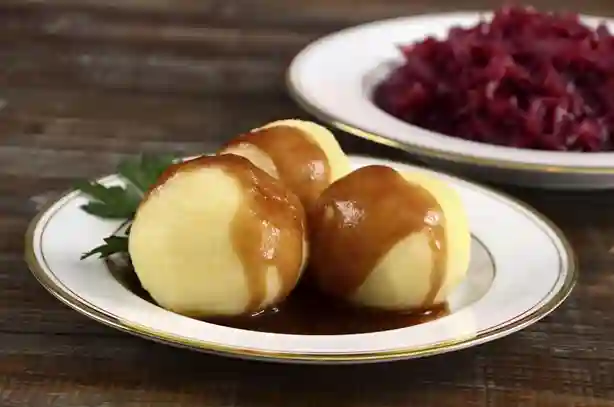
(332, 78)
(521, 269)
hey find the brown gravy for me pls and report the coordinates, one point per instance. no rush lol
(301, 163)
(304, 312)
(267, 230)
(308, 312)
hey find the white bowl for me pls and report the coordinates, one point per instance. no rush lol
(332, 78)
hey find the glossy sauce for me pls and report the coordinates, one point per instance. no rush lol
(268, 228)
(301, 163)
(308, 312)
(305, 312)
(360, 217)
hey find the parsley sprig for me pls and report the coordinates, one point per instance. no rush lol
(121, 202)
(109, 202)
(112, 245)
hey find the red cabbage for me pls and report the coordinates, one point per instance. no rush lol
(524, 79)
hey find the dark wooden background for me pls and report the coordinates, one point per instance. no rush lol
(85, 82)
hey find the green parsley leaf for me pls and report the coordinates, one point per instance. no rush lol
(109, 202)
(112, 245)
(119, 202)
(143, 172)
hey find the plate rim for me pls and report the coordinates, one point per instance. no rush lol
(417, 149)
(532, 315)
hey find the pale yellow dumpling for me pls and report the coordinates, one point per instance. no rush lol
(302, 154)
(218, 237)
(390, 240)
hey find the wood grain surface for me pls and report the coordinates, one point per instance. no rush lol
(84, 83)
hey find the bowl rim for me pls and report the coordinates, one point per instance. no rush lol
(547, 161)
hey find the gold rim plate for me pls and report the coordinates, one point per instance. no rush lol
(47, 278)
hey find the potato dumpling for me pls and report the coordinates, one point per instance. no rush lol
(303, 155)
(218, 237)
(385, 239)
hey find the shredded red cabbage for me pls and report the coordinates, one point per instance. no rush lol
(525, 79)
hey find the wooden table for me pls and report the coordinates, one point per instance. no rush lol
(87, 82)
